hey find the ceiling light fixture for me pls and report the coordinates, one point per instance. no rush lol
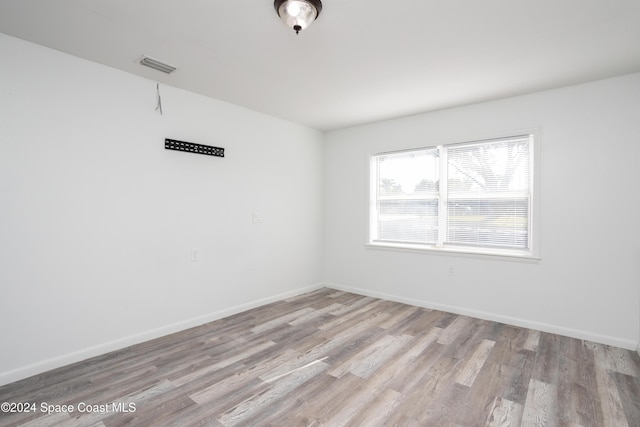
(298, 14)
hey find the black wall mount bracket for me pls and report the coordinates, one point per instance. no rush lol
(190, 147)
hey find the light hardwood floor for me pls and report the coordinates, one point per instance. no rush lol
(332, 358)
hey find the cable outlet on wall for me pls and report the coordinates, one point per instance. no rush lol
(451, 271)
(195, 255)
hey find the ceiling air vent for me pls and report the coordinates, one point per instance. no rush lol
(157, 65)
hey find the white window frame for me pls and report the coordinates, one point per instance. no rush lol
(533, 251)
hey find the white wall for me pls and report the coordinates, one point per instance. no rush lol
(97, 219)
(586, 283)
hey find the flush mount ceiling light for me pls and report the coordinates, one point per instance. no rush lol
(298, 14)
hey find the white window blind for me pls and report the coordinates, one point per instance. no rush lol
(488, 193)
(474, 195)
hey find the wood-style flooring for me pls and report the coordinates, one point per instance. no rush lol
(330, 358)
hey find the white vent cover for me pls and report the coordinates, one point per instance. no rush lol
(157, 65)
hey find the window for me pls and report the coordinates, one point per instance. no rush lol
(471, 197)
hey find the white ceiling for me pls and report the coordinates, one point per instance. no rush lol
(361, 61)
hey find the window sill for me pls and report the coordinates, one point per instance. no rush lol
(479, 253)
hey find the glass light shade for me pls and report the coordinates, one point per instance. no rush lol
(298, 14)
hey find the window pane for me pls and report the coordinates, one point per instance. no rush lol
(482, 168)
(500, 223)
(407, 203)
(409, 173)
(408, 220)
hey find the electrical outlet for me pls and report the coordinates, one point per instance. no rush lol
(451, 271)
(256, 218)
(195, 255)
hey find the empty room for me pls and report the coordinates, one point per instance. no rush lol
(319, 213)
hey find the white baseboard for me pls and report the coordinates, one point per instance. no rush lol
(85, 353)
(544, 327)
